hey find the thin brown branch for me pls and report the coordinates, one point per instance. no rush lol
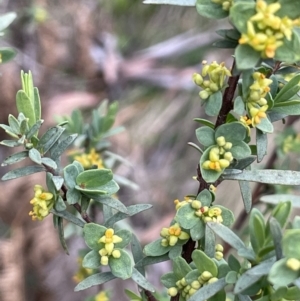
(149, 296)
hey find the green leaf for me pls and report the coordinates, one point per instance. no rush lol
(198, 230)
(60, 147)
(92, 233)
(35, 156)
(291, 243)
(291, 107)
(7, 54)
(34, 129)
(14, 124)
(289, 8)
(232, 132)
(156, 249)
(252, 276)
(210, 242)
(208, 9)
(279, 293)
(247, 298)
(107, 189)
(131, 295)
(245, 51)
(21, 172)
(94, 178)
(239, 106)
(276, 233)
(267, 176)
(111, 202)
(180, 267)
(126, 236)
(231, 277)
(281, 275)
(137, 253)
(227, 215)
(37, 104)
(10, 143)
(172, 2)
(60, 204)
(49, 138)
(175, 251)
(69, 217)
(186, 217)
(15, 158)
(70, 174)
(288, 52)
(121, 267)
(234, 264)
(73, 196)
(262, 144)
(206, 136)
(282, 212)
(9, 130)
(150, 260)
(6, 20)
(96, 279)
(225, 43)
(277, 198)
(91, 260)
(214, 103)
(138, 278)
(265, 125)
(289, 90)
(246, 195)
(131, 211)
(257, 230)
(169, 280)
(205, 197)
(227, 235)
(49, 162)
(245, 9)
(204, 122)
(204, 263)
(61, 235)
(208, 291)
(25, 106)
(192, 276)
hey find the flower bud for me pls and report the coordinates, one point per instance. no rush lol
(219, 255)
(116, 254)
(228, 156)
(164, 242)
(195, 284)
(219, 248)
(192, 291)
(224, 163)
(104, 260)
(196, 204)
(173, 240)
(172, 291)
(293, 264)
(198, 79)
(221, 141)
(228, 146)
(204, 94)
(206, 275)
(183, 282)
(164, 232)
(212, 280)
(213, 87)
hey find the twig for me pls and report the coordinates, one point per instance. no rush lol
(149, 296)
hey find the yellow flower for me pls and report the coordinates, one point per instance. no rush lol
(82, 272)
(90, 159)
(42, 203)
(172, 234)
(265, 30)
(109, 240)
(257, 114)
(102, 296)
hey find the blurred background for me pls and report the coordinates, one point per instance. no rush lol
(82, 52)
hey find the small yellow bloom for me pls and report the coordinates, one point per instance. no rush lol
(172, 234)
(42, 203)
(102, 296)
(293, 264)
(89, 160)
(257, 114)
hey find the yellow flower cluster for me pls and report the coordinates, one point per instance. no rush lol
(179, 204)
(82, 272)
(226, 4)
(109, 240)
(102, 296)
(256, 102)
(172, 234)
(187, 290)
(291, 142)
(266, 31)
(211, 79)
(219, 156)
(42, 203)
(213, 214)
(90, 159)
